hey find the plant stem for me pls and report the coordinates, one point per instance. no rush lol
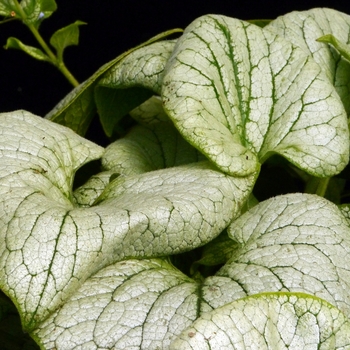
(322, 186)
(317, 185)
(58, 63)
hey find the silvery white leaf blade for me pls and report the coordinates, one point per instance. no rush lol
(143, 67)
(132, 81)
(77, 109)
(269, 321)
(173, 210)
(303, 28)
(86, 194)
(150, 112)
(50, 245)
(141, 304)
(239, 93)
(147, 148)
(296, 243)
(38, 162)
(128, 305)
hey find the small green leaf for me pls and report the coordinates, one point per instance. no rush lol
(78, 108)
(260, 22)
(37, 10)
(7, 7)
(14, 43)
(342, 47)
(66, 36)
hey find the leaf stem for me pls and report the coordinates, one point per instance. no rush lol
(56, 62)
(322, 186)
(317, 185)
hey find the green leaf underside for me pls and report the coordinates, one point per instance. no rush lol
(130, 82)
(14, 43)
(217, 252)
(260, 22)
(114, 104)
(240, 93)
(65, 37)
(343, 48)
(78, 107)
(158, 213)
(305, 27)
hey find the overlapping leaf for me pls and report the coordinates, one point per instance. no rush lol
(139, 304)
(292, 257)
(240, 93)
(149, 148)
(296, 242)
(131, 82)
(77, 109)
(269, 321)
(150, 112)
(50, 246)
(305, 27)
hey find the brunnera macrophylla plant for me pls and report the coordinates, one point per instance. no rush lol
(173, 242)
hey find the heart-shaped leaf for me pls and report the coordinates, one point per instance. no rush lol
(297, 243)
(240, 93)
(305, 27)
(50, 245)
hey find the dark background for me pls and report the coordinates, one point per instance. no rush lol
(113, 27)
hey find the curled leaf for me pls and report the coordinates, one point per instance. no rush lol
(14, 43)
(51, 245)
